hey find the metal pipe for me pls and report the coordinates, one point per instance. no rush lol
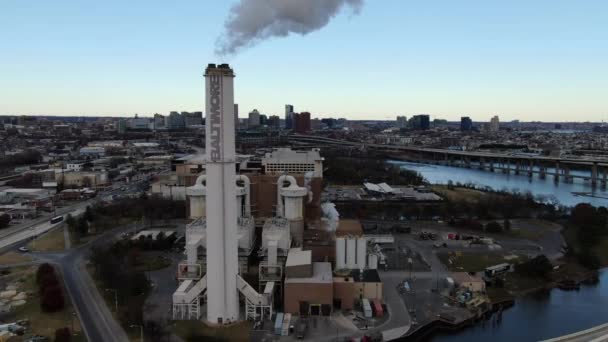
(280, 206)
(247, 187)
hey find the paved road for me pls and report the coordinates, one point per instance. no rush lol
(595, 334)
(24, 231)
(96, 319)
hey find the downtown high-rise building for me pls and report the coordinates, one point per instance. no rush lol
(494, 124)
(301, 122)
(401, 121)
(466, 124)
(420, 122)
(289, 122)
(254, 119)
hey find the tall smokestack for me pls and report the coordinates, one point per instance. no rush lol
(222, 242)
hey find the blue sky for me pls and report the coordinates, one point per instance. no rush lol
(529, 60)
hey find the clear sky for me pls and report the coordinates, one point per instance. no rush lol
(519, 59)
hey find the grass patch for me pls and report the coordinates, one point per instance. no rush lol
(13, 258)
(44, 323)
(470, 262)
(146, 264)
(191, 331)
(531, 229)
(458, 194)
(516, 283)
(51, 241)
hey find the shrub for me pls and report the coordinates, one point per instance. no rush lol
(493, 227)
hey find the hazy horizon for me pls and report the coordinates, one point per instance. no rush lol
(539, 61)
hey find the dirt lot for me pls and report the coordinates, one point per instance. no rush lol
(41, 323)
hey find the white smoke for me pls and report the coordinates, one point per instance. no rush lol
(252, 21)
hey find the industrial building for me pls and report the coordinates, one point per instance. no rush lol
(308, 261)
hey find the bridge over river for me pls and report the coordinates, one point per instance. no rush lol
(592, 169)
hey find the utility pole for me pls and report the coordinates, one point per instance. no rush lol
(115, 299)
(141, 330)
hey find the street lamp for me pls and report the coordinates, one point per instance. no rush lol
(141, 330)
(115, 299)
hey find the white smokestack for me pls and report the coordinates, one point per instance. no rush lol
(252, 21)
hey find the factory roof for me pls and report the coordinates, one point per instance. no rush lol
(349, 227)
(382, 188)
(321, 274)
(367, 276)
(287, 155)
(297, 257)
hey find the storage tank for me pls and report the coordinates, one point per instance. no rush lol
(372, 261)
(340, 253)
(361, 253)
(198, 195)
(351, 253)
(294, 197)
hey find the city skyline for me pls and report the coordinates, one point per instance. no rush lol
(540, 61)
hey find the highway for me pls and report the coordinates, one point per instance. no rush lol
(21, 232)
(475, 154)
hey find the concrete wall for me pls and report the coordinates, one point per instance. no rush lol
(345, 291)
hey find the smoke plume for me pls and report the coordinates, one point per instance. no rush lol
(252, 21)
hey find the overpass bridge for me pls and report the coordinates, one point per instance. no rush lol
(558, 167)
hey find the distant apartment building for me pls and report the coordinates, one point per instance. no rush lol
(301, 122)
(121, 126)
(289, 116)
(494, 124)
(288, 161)
(93, 151)
(420, 122)
(192, 119)
(254, 118)
(160, 122)
(274, 122)
(466, 124)
(386, 139)
(138, 123)
(176, 121)
(401, 122)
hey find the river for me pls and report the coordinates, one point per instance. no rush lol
(565, 193)
(542, 315)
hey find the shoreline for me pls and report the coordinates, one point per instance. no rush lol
(439, 325)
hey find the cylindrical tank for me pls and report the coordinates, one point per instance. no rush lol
(198, 195)
(340, 253)
(361, 261)
(351, 252)
(197, 207)
(372, 261)
(294, 198)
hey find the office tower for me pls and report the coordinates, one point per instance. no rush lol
(254, 118)
(420, 122)
(466, 124)
(301, 122)
(494, 124)
(289, 116)
(401, 122)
